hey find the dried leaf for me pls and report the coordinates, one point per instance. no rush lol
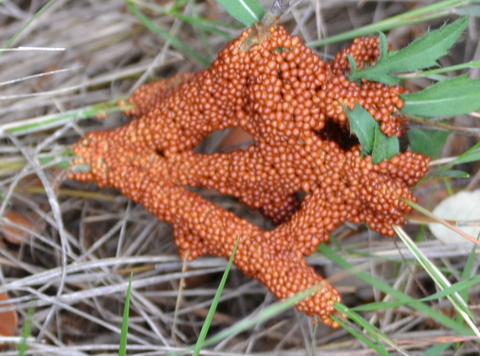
(464, 208)
(8, 319)
(18, 233)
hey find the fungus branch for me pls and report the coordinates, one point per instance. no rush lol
(290, 101)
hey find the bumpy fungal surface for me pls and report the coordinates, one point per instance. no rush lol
(290, 101)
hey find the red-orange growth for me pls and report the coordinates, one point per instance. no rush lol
(290, 101)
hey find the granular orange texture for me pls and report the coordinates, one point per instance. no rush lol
(290, 101)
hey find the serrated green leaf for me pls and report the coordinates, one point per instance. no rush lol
(384, 147)
(427, 142)
(362, 124)
(456, 96)
(421, 53)
(246, 11)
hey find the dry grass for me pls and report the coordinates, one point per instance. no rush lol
(75, 260)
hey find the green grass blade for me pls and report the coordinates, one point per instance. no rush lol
(440, 280)
(434, 11)
(468, 269)
(374, 332)
(266, 314)
(213, 307)
(122, 350)
(437, 349)
(42, 123)
(450, 174)
(27, 328)
(208, 25)
(432, 72)
(471, 155)
(459, 287)
(34, 17)
(165, 34)
(466, 273)
(359, 335)
(420, 307)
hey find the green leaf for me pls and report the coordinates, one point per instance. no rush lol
(384, 147)
(372, 140)
(352, 62)
(362, 124)
(427, 142)
(383, 45)
(246, 11)
(456, 96)
(421, 53)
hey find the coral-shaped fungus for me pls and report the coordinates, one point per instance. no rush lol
(290, 101)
